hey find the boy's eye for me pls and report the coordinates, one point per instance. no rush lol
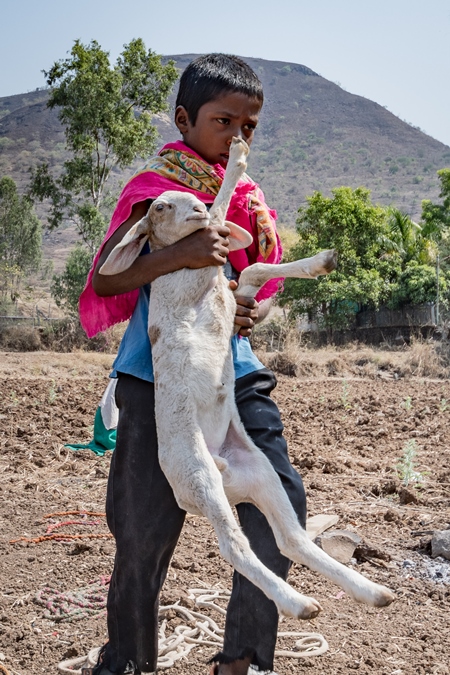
(223, 120)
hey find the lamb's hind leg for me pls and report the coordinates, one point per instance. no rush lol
(250, 477)
(236, 550)
(211, 501)
(255, 276)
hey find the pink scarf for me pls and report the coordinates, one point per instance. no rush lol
(178, 167)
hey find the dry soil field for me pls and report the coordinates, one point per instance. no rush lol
(346, 437)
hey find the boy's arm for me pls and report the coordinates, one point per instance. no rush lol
(249, 312)
(204, 248)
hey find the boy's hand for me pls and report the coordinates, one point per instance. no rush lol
(205, 248)
(247, 311)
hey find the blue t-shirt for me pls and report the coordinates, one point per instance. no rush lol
(135, 352)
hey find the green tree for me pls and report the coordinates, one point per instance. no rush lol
(20, 239)
(107, 113)
(383, 258)
(416, 282)
(436, 217)
(409, 239)
(367, 256)
(66, 288)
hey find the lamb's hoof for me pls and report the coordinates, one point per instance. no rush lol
(384, 597)
(324, 263)
(374, 595)
(310, 610)
(330, 262)
(243, 145)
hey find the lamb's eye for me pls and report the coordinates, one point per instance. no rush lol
(159, 207)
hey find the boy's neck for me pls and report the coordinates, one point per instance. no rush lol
(192, 150)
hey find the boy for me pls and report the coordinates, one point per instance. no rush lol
(219, 97)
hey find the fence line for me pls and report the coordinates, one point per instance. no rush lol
(38, 319)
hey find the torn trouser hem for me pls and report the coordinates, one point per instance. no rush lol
(247, 653)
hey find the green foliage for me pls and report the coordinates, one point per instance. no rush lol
(416, 285)
(107, 113)
(409, 239)
(67, 287)
(383, 258)
(436, 217)
(416, 282)
(20, 238)
(359, 231)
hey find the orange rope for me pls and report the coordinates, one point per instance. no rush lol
(65, 523)
(4, 670)
(61, 536)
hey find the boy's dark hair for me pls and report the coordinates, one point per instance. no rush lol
(210, 76)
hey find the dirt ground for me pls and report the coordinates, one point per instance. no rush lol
(346, 437)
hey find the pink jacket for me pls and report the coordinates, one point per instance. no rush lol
(99, 313)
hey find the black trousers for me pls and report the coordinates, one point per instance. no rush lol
(146, 522)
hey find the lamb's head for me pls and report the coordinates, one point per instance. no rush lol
(174, 215)
(171, 217)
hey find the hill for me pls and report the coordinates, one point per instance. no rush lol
(313, 135)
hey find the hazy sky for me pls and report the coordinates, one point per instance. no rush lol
(394, 52)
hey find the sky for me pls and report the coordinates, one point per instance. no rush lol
(394, 52)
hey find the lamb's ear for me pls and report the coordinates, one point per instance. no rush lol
(125, 253)
(238, 238)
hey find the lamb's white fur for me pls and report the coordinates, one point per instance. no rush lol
(204, 451)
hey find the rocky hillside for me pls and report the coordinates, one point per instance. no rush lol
(313, 135)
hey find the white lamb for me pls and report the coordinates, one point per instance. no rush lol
(204, 450)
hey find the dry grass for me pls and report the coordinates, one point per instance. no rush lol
(20, 338)
(64, 335)
(286, 352)
(280, 348)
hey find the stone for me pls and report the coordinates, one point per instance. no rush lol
(440, 544)
(318, 524)
(366, 551)
(339, 544)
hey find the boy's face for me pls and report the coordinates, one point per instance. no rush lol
(233, 114)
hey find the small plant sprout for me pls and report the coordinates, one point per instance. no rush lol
(406, 467)
(407, 403)
(344, 400)
(52, 395)
(14, 398)
(443, 405)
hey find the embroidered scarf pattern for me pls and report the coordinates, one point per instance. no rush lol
(192, 172)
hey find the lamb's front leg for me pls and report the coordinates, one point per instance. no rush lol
(237, 164)
(255, 276)
(198, 488)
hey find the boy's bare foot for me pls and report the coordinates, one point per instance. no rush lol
(238, 667)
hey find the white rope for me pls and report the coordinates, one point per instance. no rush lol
(310, 644)
(199, 629)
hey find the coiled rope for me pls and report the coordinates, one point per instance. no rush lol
(197, 629)
(74, 605)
